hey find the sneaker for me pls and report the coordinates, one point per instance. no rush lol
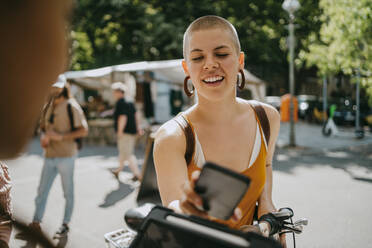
(62, 231)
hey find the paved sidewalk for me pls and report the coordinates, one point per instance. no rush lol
(328, 180)
(309, 136)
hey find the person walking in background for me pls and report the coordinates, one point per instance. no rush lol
(60, 150)
(126, 124)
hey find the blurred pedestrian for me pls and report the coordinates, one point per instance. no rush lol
(62, 123)
(126, 124)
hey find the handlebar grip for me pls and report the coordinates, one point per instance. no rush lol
(283, 214)
(135, 216)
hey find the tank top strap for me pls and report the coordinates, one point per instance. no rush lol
(262, 120)
(186, 127)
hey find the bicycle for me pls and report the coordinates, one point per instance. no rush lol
(138, 218)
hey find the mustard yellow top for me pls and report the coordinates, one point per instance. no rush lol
(255, 171)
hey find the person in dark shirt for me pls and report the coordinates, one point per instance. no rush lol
(126, 126)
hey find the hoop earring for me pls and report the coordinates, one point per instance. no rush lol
(186, 88)
(242, 84)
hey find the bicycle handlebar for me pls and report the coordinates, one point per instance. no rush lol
(135, 216)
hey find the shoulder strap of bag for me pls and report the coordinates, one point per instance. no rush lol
(79, 141)
(264, 121)
(189, 134)
(70, 116)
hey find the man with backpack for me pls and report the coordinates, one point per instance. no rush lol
(63, 124)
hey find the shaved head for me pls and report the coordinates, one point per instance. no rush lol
(210, 22)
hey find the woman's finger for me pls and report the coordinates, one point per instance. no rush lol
(250, 228)
(189, 208)
(283, 240)
(194, 177)
(237, 215)
(264, 228)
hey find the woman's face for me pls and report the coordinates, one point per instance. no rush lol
(213, 63)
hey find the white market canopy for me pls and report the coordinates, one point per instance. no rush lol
(167, 70)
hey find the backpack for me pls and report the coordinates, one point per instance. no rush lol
(79, 141)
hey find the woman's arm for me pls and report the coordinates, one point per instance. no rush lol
(170, 164)
(176, 191)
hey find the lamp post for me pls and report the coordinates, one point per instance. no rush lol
(291, 6)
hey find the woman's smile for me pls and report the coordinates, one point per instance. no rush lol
(213, 80)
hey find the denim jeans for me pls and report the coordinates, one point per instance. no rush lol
(52, 166)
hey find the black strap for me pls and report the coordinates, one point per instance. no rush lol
(79, 141)
(262, 117)
(189, 134)
(71, 117)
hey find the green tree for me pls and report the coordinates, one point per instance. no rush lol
(121, 31)
(344, 42)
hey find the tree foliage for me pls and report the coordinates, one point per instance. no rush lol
(107, 32)
(344, 42)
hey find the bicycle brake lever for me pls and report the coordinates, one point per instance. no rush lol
(302, 222)
(292, 228)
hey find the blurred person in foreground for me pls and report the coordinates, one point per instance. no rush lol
(62, 122)
(126, 124)
(225, 129)
(33, 48)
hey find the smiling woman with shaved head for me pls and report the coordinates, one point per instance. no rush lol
(220, 127)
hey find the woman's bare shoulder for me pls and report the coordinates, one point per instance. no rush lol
(271, 112)
(170, 133)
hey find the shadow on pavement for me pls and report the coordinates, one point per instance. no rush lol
(87, 150)
(116, 195)
(356, 161)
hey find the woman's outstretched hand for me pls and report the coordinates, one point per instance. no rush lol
(192, 203)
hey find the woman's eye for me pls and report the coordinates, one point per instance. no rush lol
(197, 58)
(222, 55)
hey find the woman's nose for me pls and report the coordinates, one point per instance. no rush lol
(210, 63)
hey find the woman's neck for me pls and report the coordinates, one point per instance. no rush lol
(220, 111)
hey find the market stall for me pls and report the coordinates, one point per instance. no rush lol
(93, 90)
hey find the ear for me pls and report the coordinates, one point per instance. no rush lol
(185, 69)
(241, 60)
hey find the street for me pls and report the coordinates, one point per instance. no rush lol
(327, 180)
